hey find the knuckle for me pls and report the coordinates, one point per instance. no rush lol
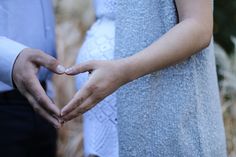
(39, 99)
(82, 110)
(75, 105)
(34, 54)
(27, 80)
(92, 88)
(27, 51)
(29, 83)
(72, 107)
(79, 101)
(52, 62)
(85, 66)
(85, 109)
(90, 64)
(37, 59)
(97, 97)
(24, 82)
(36, 109)
(38, 52)
(72, 116)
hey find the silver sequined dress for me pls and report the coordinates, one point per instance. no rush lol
(174, 112)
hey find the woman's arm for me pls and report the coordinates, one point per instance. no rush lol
(192, 34)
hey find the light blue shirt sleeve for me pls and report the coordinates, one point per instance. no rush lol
(9, 50)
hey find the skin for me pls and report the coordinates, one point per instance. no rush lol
(25, 78)
(179, 43)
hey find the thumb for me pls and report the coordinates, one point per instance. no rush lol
(49, 62)
(80, 68)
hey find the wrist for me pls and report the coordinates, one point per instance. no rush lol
(128, 69)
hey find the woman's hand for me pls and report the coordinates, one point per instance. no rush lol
(105, 77)
(192, 34)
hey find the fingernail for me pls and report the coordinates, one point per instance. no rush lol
(62, 114)
(69, 70)
(61, 69)
(57, 126)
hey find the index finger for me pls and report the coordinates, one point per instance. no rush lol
(48, 61)
(34, 88)
(39, 109)
(78, 99)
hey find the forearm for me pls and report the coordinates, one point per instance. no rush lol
(181, 42)
(9, 50)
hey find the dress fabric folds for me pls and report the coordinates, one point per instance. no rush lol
(174, 112)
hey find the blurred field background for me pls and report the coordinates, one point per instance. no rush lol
(74, 17)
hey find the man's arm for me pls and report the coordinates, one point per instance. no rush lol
(9, 50)
(20, 65)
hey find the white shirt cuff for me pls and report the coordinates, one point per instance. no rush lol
(9, 50)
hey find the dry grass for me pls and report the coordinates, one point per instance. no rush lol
(74, 17)
(227, 70)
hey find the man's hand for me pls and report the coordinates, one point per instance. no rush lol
(25, 78)
(105, 78)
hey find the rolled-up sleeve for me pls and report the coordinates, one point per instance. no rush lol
(9, 50)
